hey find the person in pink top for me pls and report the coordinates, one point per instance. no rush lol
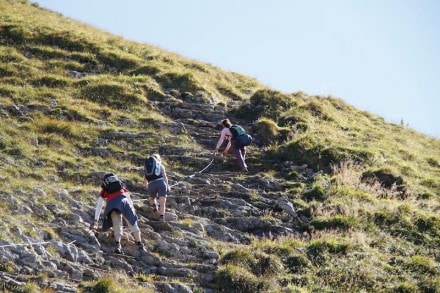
(238, 150)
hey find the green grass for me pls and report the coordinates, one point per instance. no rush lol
(371, 206)
(117, 283)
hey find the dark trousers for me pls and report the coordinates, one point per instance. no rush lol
(240, 154)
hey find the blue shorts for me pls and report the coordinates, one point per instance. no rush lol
(157, 188)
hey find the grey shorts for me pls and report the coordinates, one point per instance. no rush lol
(157, 188)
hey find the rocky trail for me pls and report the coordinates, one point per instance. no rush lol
(211, 205)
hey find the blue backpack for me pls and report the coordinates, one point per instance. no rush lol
(240, 135)
(152, 168)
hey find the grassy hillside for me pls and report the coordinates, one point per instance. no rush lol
(42, 56)
(76, 101)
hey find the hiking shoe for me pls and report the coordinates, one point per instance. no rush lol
(140, 246)
(118, 250)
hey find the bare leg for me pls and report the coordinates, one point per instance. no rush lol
(153, 202)
(162, 202)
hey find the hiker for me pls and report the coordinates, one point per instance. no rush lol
(118, 206)
(156, 182)
(238, 149)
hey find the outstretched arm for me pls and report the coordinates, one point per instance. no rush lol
(220, 141)
(98, 209)
(165, 177)
(225, 152)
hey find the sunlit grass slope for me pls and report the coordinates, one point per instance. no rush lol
(75, 100)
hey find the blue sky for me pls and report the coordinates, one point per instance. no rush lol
(381, 56)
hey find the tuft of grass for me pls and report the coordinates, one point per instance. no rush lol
(319, 249)
(239, 280)
(116, 283)
(251, 266)
(429, 224)
(405, 287)
(268, 132)
(266, 104)
(316, 192)
(50, 81)
(185, 81)
(52, 126)
(117, 60)
(341, 222)
(111, 94)
(422, 265)
(7, 267)
(240, 257)
(32, 287)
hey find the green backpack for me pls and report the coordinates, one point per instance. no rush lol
(240, 134)
(237, 130)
